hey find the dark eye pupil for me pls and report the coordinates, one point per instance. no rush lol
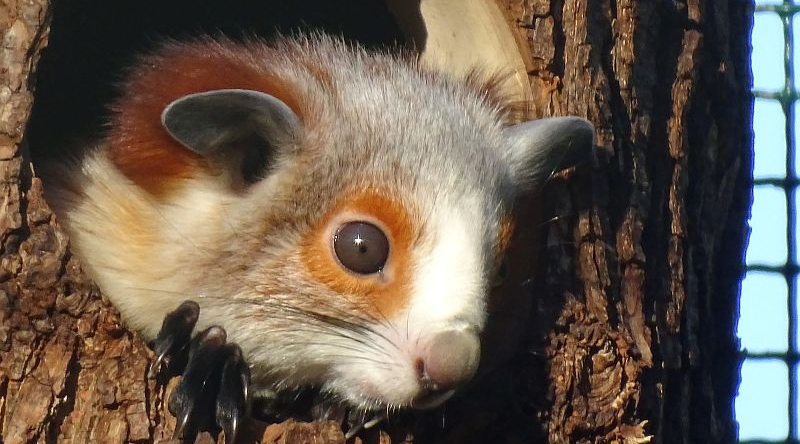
(361, 247)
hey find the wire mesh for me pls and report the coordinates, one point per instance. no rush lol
(786, 97)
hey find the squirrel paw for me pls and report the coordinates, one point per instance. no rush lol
(213, 392)
(353, 420)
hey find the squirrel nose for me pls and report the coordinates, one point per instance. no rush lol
(450, 360)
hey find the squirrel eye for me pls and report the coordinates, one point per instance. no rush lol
(361, 247)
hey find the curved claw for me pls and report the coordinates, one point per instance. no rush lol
(180, 432)
(213, 392)
(162, 349)
(359, 422)
(232, 399)
(377, 419)
(191, 400)
(175, 334)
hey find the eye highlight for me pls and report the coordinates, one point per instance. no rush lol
(361, 247)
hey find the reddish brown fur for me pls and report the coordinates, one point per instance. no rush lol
(139, 145)
(505, 235)
(320, 72)
(146, 154)
(386, 293)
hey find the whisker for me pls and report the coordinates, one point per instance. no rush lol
(349, 325)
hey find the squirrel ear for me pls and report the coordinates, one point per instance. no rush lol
(231, 127)
(539, 148)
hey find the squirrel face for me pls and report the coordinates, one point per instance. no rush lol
(341, 214)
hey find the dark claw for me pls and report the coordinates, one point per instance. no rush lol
(232, 400)
(213, 392)
(357, 421)
(192, 399)
(161, 348)
(175, 334)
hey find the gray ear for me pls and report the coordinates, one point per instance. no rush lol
(231, 126)
(539, 148)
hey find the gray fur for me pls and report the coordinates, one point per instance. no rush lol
(372, 122)
(538, 148)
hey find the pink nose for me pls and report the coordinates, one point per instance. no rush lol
(449, 361)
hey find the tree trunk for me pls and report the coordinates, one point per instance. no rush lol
(632, 338)
(644, 344)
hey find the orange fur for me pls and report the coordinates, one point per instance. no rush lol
(389, 291)
(139, 145)
(505, 235)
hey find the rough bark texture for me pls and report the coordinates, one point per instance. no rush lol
(644, 343)
(633, 339)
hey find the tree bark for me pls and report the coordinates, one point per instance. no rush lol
(632, 338)
(644, 342)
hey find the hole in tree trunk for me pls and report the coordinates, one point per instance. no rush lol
(91, 42)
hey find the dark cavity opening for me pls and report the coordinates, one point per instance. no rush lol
(91, 42)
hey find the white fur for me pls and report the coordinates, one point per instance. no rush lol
(449, 282)
(436, 144)
(137, 249)
(449, 293)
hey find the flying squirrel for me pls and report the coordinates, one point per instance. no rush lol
(321, 215)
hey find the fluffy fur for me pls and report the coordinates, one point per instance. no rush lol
(380, 139)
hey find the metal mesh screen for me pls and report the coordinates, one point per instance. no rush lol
(786, 97)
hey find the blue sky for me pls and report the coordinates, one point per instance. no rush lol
(761, 406)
